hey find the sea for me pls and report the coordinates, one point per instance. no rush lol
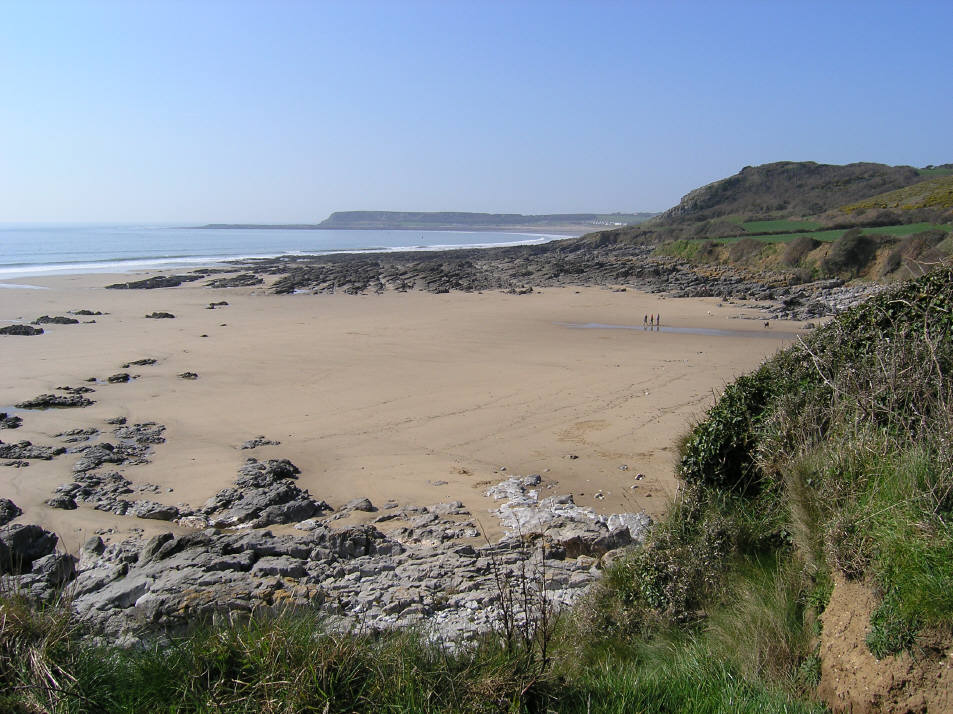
(43, 249)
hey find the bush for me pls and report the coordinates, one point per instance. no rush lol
(797, 249)
(720, 449)
(849, 254)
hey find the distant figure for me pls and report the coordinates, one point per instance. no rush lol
(651, 321)
(767, 324)
(658, 320)
(645, 321)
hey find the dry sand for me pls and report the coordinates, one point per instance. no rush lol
(414, 397)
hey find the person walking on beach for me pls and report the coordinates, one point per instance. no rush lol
(651, 321)
(658, 321)
(645, 321)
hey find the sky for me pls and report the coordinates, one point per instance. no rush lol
(280, 111)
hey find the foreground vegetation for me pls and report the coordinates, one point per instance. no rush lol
(832, 461)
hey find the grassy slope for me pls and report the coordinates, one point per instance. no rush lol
(833, 457)
(935, 192)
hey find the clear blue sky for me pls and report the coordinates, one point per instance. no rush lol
(279, 111)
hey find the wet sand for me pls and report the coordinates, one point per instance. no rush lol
(414, 397)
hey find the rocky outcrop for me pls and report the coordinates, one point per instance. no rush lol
(158, 281)
(57, 320)
(160, 315)
(21, 330)
(26, 450)
(237, 281)
(140, 363)
(58, 401)
(264, 494)
(578, 530)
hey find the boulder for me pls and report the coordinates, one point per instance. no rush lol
(21, 544)
(8, 511)
(21, 330)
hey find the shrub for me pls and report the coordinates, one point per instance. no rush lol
(849, 254)
(720, 449)
(797, 249)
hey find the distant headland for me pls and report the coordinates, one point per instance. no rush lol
(458, 221)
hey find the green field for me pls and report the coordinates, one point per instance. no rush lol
(778, 226)
(834, 234)
(930, 173)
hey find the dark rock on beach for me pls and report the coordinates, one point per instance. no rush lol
(160, 316)
(85, 312)
(146, 362)
(8, 511)
(119, 378)
(77, 390)
(58, 320)
(158, 281)
(260, 440)
(59, 401)
(237, 281)
(10, 422)
(188, 375)
(26, 450)
(21, 330)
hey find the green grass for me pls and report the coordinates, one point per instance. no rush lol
(291, 664)
(829, 236)
(930, 173)
(779, 226)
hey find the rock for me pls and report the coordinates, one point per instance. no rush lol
(159, 281)
(359, 504)
(148, 361)
(61, 501)
(75, 436)
(159, 315)
(188, 375)
(97, 455)
(85, 312)
(154, 511)
(120, 420)
(20, 545)
(10, 422)
(59, 401)
(58, 320)
(238, 281)
(78, 390)
(263, 494)
(259, 440)
(8, 511)
(144, 433)
(26, 450)
(21, 330)
(118, 378)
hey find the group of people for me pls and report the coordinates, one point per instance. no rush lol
(651, 321)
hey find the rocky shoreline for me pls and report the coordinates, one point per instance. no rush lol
(429, 573)
(521, 269)
(432, 569)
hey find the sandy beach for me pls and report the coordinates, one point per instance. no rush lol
(414, 397)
